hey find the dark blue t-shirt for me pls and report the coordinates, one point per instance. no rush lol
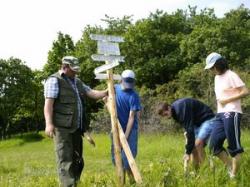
(126, 101)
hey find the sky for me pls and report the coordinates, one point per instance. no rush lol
(29, 27)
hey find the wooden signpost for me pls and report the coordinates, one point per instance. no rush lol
(108, 51)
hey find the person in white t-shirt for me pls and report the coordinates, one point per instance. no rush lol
(229, 89)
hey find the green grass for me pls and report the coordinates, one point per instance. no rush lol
(30, 161)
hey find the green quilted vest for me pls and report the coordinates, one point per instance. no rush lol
(65, 106)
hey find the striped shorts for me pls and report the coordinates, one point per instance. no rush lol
(227, 126)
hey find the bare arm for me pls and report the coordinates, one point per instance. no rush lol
(97, 94)
(89, 138)
(130, 123)
(48, 114)
(131, 118)
(241, 92)
(105, 100)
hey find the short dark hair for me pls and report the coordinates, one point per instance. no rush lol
(221, 65)
(162, 107)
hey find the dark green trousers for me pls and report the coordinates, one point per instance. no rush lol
(68, 148)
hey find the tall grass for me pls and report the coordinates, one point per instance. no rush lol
(30, 161)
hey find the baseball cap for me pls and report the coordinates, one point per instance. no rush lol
(72, 62)
(128, 79)
(211, 59)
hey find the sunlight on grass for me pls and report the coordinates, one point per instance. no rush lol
(29, 164)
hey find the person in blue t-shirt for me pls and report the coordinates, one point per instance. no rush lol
(128, 107)
(198, 121)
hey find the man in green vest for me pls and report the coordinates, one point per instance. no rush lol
(64, 112)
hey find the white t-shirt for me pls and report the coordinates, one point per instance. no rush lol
(225, 87)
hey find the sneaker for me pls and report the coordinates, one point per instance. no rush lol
(230, 173)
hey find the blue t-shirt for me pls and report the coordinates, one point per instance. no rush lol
(126, 101)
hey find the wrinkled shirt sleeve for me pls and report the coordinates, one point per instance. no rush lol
(86, 88)
(135, 104)
(51, 88)
(184, 114)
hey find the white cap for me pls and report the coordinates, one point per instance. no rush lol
(128, 79)
(211, 59)
(128, 74)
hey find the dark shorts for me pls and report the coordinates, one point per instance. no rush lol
(227, 126)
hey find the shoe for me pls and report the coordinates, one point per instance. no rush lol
(230, 173)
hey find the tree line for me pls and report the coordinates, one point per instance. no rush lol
(166, 51)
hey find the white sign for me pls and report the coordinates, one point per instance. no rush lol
(109, 58)
(109, 38)
(108, 48)
(106, 67)
(105, 76)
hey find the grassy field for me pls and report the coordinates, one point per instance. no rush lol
(30, 161)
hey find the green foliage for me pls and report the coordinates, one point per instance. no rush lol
(166, 51)
(205, 17)
(17, 94)
(195, 82)
(152, 48)
(228, 36)
(61, 47)
(236, 39)
(85, 47)
(117, 26)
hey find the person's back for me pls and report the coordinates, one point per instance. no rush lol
(197, 120)
(189, 111)
(126, 101)
(128, 106)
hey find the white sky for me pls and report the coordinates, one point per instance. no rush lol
(28, 27)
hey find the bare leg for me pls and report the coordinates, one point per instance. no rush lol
(199, 144)
(235, 164)
(195, 158)
(223, 156)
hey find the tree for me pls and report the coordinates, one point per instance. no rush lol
(234, 30)
(117, 26)
(166, 51)
(228, 36)
(86, 47)
(61, 47)
(152, 47)
(16, 89)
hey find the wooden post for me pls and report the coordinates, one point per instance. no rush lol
(108, 50)
(115, 133)
(122, 140)
(131, 160)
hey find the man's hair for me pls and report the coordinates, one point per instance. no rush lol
(162, 107)
(221, 65)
